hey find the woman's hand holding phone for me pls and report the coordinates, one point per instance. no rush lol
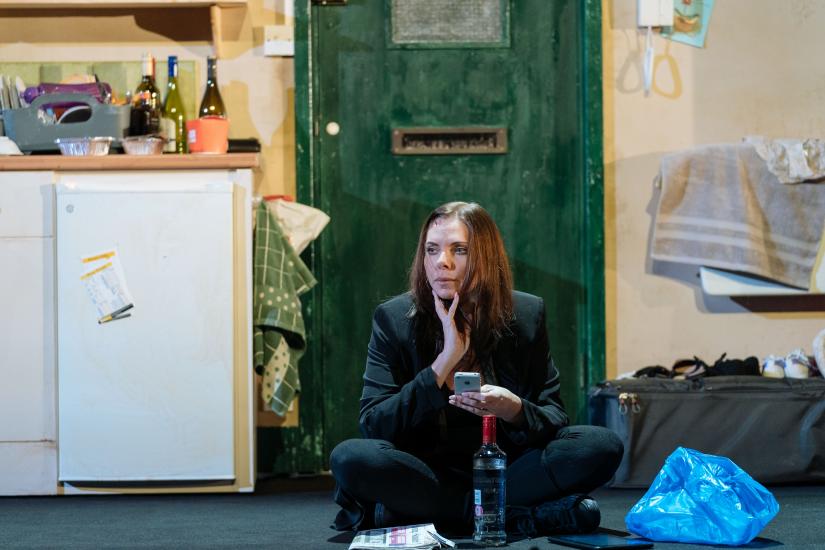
(491, 400)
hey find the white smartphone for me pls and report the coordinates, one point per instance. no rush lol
(466, 381)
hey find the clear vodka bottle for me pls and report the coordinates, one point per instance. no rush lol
(489, 471)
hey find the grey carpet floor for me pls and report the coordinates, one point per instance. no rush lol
(297, 516)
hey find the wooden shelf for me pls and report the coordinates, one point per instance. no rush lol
(718, 282)
(129, 162)
(215, 7)
(125, 4)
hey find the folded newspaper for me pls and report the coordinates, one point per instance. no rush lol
(422, 536)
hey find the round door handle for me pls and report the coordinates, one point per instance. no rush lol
(333, 128)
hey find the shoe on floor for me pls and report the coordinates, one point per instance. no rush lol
(685, 369)
(734, 367)
(384, 517)
(571, 514)
(773, 367)
(797, 364)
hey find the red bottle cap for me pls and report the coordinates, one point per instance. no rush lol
(488, 428)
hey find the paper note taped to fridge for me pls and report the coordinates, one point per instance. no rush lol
(105, 283)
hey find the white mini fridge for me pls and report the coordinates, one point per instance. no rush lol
(147, 397)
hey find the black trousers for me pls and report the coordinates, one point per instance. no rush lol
(368, 471)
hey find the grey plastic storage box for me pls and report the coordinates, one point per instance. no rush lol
(30, 133)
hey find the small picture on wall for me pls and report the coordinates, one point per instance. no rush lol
(690, 22)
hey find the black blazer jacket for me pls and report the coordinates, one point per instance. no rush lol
(401, 402)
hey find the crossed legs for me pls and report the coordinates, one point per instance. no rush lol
(368, 471)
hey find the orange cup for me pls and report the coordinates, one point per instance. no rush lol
(208, 134)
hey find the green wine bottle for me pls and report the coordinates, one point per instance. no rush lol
(145, 113)
(212, 103)
(174, 116)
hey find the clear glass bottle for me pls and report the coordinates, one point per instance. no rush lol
(489, 478)
(174, 116)
(144, 117)
(212, 103)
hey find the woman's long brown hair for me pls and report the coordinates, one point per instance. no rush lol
(485, 294)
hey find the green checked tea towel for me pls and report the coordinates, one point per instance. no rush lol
(279, 338)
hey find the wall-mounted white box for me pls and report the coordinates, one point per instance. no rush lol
(654, 13)
(279, 40)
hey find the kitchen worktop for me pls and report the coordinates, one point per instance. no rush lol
(129, 162)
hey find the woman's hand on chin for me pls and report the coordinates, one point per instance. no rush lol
(491, 400)
(455, 343)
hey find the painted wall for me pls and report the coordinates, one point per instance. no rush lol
(761, 72)
(257, 90)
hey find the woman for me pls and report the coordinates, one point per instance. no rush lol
(415, 461)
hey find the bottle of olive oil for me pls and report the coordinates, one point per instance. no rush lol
(212, 103)
(174, 116)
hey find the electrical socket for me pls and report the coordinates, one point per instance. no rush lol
(654, 13)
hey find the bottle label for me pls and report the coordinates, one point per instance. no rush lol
(143, 121)
(153, 126)
(169, 132)
(489, 500)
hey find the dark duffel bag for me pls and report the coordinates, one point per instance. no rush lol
(774, 429)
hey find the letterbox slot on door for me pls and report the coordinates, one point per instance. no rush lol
(449, 141)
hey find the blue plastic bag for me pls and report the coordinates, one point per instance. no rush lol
(704, 499)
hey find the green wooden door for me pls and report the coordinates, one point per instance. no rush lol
(520, 80)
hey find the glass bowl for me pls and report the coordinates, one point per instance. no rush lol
(143, 145)
(84, 146)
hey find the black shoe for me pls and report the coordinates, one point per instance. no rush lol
(384, 517)
(571, 514)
